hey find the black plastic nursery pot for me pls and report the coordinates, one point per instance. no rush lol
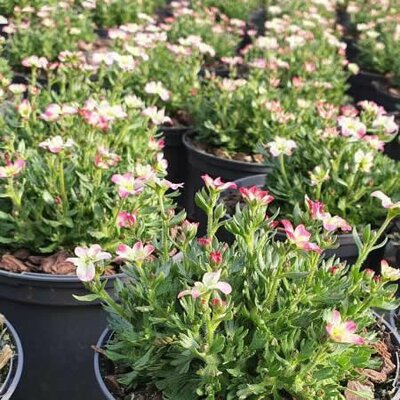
(101, 364)
(57, 333)
(175, 154)
(16, 366)
(347, 249)
(362, 86)
(389, 100)
(392, 149)
(200, 163)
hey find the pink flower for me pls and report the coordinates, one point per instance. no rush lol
(386, 200)
(342, 332)
(86, 261)
(389, 273)
(255, 195)
(25, 109)
(125, 219)
(105, 159)
(127, 184)
(316, 208)
(204, 242)
(216, 257)
(56, 144)
(52, 113)
(331, 224)
(374, 142)
(352, 127)
(300, 237)
(12, 169)
(217, 184)
(210, 282)
(281, 146)
(157, 88)
(35, 61)
(169, 185)
(136, 254)
(386, 123)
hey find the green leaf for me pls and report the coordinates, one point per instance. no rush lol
(86, 298)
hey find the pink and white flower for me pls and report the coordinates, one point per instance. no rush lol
(281, 146)
(136, 254)
(300, 237)
(332, 223)
(255, 195)
(385, 123)
(12, 169)
(24, 109)
(352, 127)
(17, 88)
(217, 184)
(126, 219)
(342, 332)
(56, 144)
(156, 116)
(389, 273)
(316, 208)
(127, 184)
(105, 159)
(210, 282)
(386, 200)
(86, 260)
(52, 113)
(158, 89)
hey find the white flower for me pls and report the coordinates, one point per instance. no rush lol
(157, 88)
(363, 160)
(281, 146)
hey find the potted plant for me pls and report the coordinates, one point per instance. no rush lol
(11, 359)
(286, 75)
(337, 166)
(257, 318)
(66, 169)
(31, 31)
(376, 40)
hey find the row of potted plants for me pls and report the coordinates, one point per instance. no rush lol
(83, 164)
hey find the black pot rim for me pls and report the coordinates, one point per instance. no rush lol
(344, 238)
(16, 365)
(382, 88)
(107, 334)
(188, 142)
(48, 278)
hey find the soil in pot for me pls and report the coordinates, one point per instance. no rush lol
(57, 330)
(383, 381)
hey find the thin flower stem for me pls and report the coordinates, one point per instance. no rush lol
(283, 169)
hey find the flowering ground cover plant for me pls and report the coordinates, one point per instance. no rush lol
(258, 319)
(233, 9)
(31, 30)
(109, 13)
(376, 25)
(337, 161)
(71, 172)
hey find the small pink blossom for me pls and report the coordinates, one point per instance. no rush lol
(216, 257)
(316, 208)
(86, 261)
(126, 219)
(204, 242)
(255, 195)
(136, 254)
(210, 282)
(352, 127)
(386, 200)
(386, 123)
(331, 224)
(389, 273)
(24, 109)
(106, 159)
(300, 237)
(342, 332)
(56, 144)
(12, 169)
(127, 184)
(281, 146)
(35, 61)
(217, 184)
(52, 113)
(375, 142)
